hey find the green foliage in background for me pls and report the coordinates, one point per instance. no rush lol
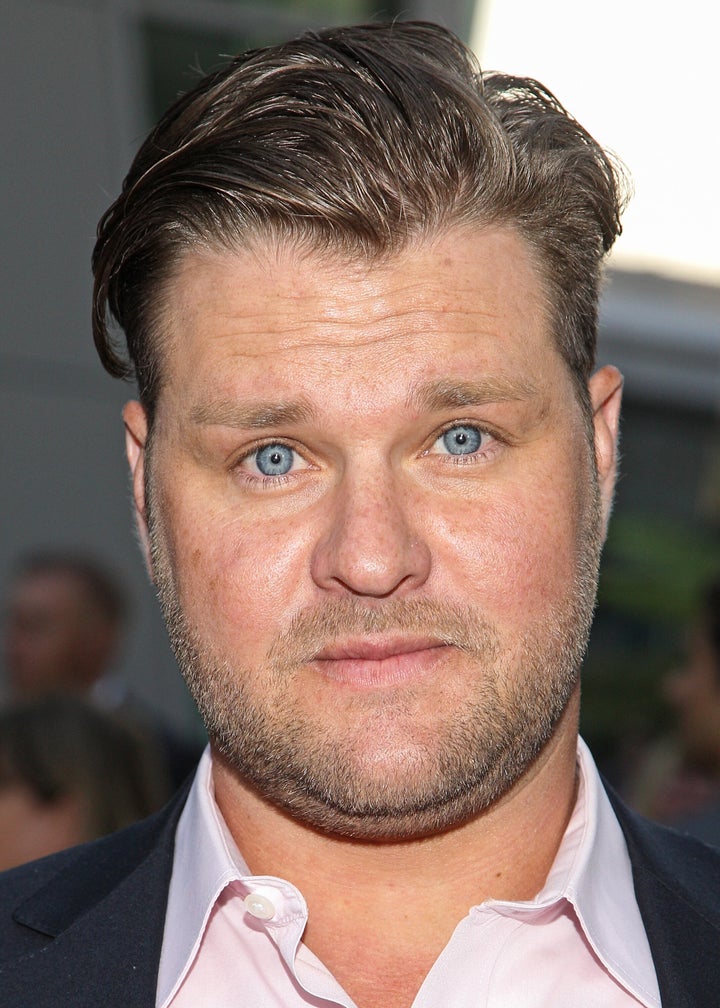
(653, 569)
(652, 575)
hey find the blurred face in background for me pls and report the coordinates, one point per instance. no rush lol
(55, 638)
(693, 691)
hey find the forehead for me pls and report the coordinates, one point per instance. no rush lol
(270, 306)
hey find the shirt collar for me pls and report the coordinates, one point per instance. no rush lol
(592, 871)
(206, 860)
(601, 888)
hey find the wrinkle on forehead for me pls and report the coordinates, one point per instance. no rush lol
(315, 311)
(355, 319)
(348, 288)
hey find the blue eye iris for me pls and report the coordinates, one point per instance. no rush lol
(274, 460)
(462, 440)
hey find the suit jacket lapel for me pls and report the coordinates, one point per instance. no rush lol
(677, 885)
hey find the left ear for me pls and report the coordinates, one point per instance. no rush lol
(605, 388)
(136, 433)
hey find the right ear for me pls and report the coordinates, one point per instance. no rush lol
(136, 432)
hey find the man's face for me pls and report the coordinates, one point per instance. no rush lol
(375, 523)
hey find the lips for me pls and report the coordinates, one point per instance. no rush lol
(379, 661)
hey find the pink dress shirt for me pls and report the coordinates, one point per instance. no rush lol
(233, 939)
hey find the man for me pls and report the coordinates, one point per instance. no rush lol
(372, 470)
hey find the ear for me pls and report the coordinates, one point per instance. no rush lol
(605, 389)
(136, 431)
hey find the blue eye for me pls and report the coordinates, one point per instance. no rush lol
(274, 459)
(462, 440)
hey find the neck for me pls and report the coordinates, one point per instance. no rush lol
(416, 891)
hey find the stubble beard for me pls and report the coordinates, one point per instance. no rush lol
(436, 779)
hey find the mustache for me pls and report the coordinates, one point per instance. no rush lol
(315, 628)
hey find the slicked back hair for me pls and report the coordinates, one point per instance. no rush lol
(358, 140)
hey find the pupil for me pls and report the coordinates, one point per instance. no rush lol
(462, 440)
(274, 460)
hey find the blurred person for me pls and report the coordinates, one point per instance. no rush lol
(65, 619)
(373, 463)
(66, 616)
(678, 779)
(68, 774)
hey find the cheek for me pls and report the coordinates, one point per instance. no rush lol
(515, 554)
(238, 583)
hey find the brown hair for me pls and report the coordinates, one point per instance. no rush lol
(60, 746)
(358, 139)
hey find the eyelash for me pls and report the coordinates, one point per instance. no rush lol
(262, 481)
(472, 458)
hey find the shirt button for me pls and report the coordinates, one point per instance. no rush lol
(259, 906)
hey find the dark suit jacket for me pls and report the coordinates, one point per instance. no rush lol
(83, 929)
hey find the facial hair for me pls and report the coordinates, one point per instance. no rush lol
(388, 775)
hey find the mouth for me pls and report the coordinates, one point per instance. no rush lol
(379, 661)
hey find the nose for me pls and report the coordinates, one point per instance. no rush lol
(371, 545)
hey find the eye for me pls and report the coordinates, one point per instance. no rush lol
(273, 460)
(461, 440)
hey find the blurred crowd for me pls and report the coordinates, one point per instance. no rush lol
(677, 780)
(80, 755)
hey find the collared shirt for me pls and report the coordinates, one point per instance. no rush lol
(234, 939)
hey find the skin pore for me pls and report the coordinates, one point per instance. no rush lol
(374, 521)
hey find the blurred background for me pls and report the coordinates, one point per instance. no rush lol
(83, 80)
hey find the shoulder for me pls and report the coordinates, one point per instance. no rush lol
(704, 824)
(667, 861)
(677, 887)
(40, 900)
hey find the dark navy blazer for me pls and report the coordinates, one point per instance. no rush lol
(83, 929)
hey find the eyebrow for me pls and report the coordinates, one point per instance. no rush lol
(449, 394)
(253, 415)
(442, 394)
